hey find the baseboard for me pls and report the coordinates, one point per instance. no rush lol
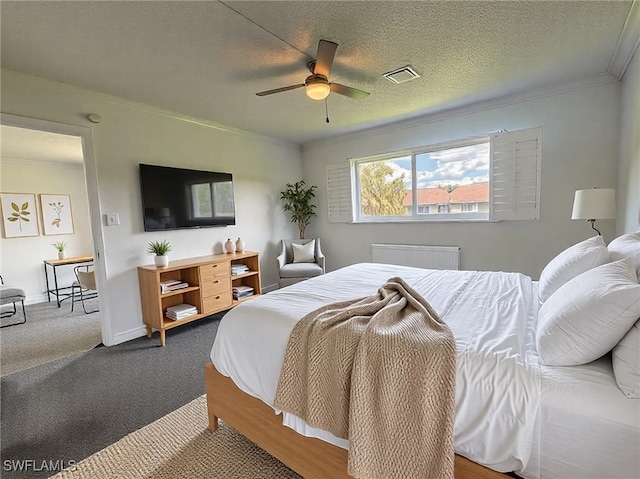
(125, 336)
(141, 331)
(41, 298)
(271, 287)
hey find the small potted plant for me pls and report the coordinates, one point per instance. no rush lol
(160, 249)
(60, 246)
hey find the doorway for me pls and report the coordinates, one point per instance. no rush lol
(70, 174)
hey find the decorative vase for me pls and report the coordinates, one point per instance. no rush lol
(62, 255)
(230, 246)
(162, 261)
(239, 246)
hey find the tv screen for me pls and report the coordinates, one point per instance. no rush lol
(175, 198)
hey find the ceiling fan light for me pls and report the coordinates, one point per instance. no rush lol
(317, 91)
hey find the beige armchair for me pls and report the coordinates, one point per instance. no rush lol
(301, 264)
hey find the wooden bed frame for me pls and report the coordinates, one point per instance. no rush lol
(309, 457)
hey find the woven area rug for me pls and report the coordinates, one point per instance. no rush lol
(179, 445)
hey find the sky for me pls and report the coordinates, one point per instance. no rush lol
(460, 166)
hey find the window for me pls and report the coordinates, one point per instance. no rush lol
(494, 177)
(467, 207)
(223, 199)
(383, 186)
(201, 200)
(211, 200)
(428, 183)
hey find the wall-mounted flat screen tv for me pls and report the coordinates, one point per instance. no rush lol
(176, 198)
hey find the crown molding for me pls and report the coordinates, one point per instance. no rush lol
(627, 43)
(59, 87)
(471, 108)
(70, 165)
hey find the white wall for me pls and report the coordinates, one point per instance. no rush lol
(132, 133)
(21, 259)
(628, 189)
(580, 150)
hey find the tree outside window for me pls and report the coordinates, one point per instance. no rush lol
(383, 187)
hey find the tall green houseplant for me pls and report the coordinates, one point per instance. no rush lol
(297, 200)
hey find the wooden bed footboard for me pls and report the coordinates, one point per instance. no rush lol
(309, 457)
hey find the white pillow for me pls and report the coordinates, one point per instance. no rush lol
(304, 253)
(589, 315)
(626, 246)
(570, 263)
(626, 362)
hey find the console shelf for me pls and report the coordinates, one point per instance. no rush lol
(210, 288)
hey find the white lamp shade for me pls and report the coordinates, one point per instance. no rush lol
(317, 90)
(594, 204)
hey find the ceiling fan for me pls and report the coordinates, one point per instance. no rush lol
(317, 85)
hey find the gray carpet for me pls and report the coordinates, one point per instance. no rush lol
(68, 409)
(50, 333)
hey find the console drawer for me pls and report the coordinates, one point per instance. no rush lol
(214, 286)
(215, 303)
(211, 270)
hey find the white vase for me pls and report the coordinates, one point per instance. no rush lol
(162, 261)
(230, 246)
(62, 255)
(239, 246)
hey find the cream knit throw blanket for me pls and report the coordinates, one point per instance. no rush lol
(380, 372)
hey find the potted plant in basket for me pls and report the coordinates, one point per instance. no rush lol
(160, 249)
(60, 246)
(298, 202)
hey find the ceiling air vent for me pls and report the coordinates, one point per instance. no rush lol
(401, 75)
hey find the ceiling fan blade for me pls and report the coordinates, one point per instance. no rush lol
(278, 90)
(324, 60)
(348, 91)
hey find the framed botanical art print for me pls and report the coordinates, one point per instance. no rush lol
(19, 215)
(56, 214)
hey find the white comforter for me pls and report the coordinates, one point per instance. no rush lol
(492, 316)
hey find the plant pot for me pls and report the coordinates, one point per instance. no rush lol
(162, 261)
(62, 255)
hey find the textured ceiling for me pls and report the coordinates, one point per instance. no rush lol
(207, 59)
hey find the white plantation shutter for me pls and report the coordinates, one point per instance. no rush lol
(515, 174)
(339, 194)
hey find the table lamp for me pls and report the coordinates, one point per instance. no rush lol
(594, 204)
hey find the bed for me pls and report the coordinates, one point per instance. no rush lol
(513, 414)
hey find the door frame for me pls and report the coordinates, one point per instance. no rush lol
(91, 180)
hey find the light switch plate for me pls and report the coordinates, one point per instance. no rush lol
(113, 219)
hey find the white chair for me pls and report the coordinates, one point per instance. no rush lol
(291, 271)
(84, 286)
(12, 295)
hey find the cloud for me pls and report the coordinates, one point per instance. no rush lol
(400, 171)
(463, 165)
